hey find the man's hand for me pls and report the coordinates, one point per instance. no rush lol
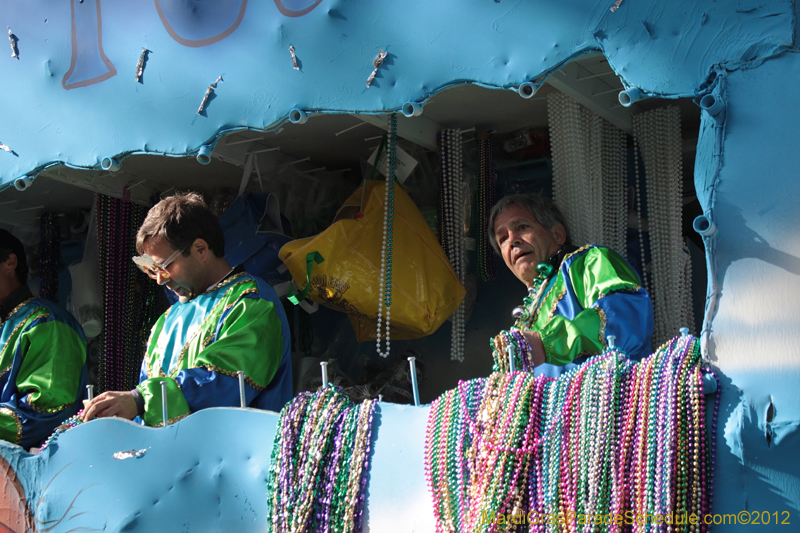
(537, 348)
(112, 403)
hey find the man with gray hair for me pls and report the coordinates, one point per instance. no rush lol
(577, 297)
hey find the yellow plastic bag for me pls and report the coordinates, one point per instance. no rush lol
(425, 289)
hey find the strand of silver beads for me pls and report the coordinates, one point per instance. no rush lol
(385, 280)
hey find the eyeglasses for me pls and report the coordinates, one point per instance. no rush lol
(152, 268)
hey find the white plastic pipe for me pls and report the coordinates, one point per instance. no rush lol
(712, 104)
(110, 164)
(412, 109)
(704, 226)
(23, 183)
(527, 89)
(204, 154)
(298, 116)
(629, 96)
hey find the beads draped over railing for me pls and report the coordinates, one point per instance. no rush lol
(610, 438)
(320, 461)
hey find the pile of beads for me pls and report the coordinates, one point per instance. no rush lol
(320, 460)
(610, 438)
(69, 423)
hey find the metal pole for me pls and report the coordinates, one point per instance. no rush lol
(611, 339)
(242, 401)
(164, 403)
(510, 353)
(324, 365)
(414, 388)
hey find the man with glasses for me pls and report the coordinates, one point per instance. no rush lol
(43, 373)
(226, 321)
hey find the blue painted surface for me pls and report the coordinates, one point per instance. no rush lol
(204, 473)
(745, 174)
(64, 78)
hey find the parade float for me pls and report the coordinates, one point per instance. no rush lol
(115, 104)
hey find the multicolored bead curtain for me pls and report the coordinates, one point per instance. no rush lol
(129, 296)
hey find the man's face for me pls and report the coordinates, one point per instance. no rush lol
(524, 243)
(183, 271)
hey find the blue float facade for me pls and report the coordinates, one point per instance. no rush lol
(71, 98)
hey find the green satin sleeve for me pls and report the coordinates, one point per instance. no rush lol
(153, 415)
(600, 272)
(10, 426)
(565, 339)
(50, 373)
(592, 275)
(250, 340)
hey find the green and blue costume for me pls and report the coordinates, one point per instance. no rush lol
(43, 372)
(596, 293)
(197, 348)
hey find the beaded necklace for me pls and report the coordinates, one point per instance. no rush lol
(610, 436)
(69, 423)
(320, 460)
(385, 280)
(487, 178)
(512, 342)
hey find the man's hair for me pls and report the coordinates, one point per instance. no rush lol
(179, 220)
(11, 245)
(542, 209)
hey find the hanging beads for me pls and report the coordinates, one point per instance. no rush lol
(657, 134)
(385, 283)
(49, 255)
(129, 296)
(589, 156)
(487, 177)
(452, 198)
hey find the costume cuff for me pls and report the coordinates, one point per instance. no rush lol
(137, 397)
